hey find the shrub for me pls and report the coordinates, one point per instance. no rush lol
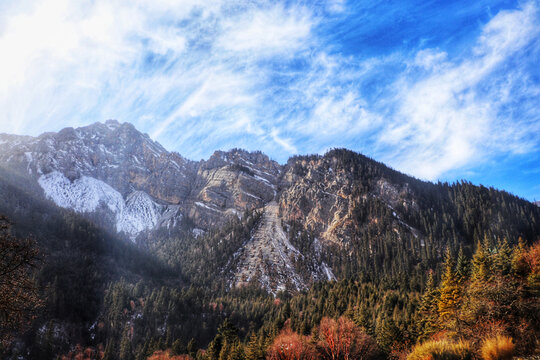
(441, 350)
(497, 348)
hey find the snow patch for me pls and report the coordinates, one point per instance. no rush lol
(139, 214)
(82, 195)
(133, 216)
(197, 232)
(205, 206)
(329, 274)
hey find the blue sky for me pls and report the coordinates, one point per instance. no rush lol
(441, 90)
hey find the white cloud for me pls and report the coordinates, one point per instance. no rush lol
(268, 31)
(285, 143)
(446, 120)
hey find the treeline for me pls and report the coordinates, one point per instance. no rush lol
(487, 304)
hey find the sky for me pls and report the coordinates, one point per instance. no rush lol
(441, 90)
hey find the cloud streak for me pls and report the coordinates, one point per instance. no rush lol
(282, 77)
(453, 115)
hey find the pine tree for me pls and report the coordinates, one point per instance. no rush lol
(481, 264)
(388, 334)
(110, 353)
(255, 348)
(363, 319)
(449, 294)
(428, 312)
(192, 348)
(519, 266)
(126, 352)
(225, 351)
(462, 267)
(503, 259)
(178, 347)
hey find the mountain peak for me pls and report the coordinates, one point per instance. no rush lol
(112, 124)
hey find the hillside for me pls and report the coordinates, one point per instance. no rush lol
(164, 240)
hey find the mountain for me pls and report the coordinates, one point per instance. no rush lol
(140, 184)
(283, 227)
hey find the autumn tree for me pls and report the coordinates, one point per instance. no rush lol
(481, 262)
(343, 339)
(289, 345)
(19, 296)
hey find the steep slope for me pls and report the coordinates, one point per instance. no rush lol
(271, 260)
(114, 153)
(364, 213)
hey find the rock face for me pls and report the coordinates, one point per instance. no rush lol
(114, 153)
(230, 183)
(323, 196)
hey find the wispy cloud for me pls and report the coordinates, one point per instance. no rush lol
(282, 77)
(453, 113)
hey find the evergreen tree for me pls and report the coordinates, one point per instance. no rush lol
(110, 353)
(388, 334)
(481, 264)
(255, 348)
(178, 347)
(519, 265)
(428, 312)
(503, 259)
(462, 267)
(192, 348)
(363, 318)
(125, 352)
(449, 294)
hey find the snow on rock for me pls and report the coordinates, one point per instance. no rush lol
(82, 195)
(170, 216)
(328, 272)
(198, 232)
(139, 214)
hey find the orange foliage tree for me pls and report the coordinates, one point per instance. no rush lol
(166, 355)
(288, 345)
(343, 339)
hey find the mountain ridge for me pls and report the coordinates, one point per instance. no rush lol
(322, 216)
